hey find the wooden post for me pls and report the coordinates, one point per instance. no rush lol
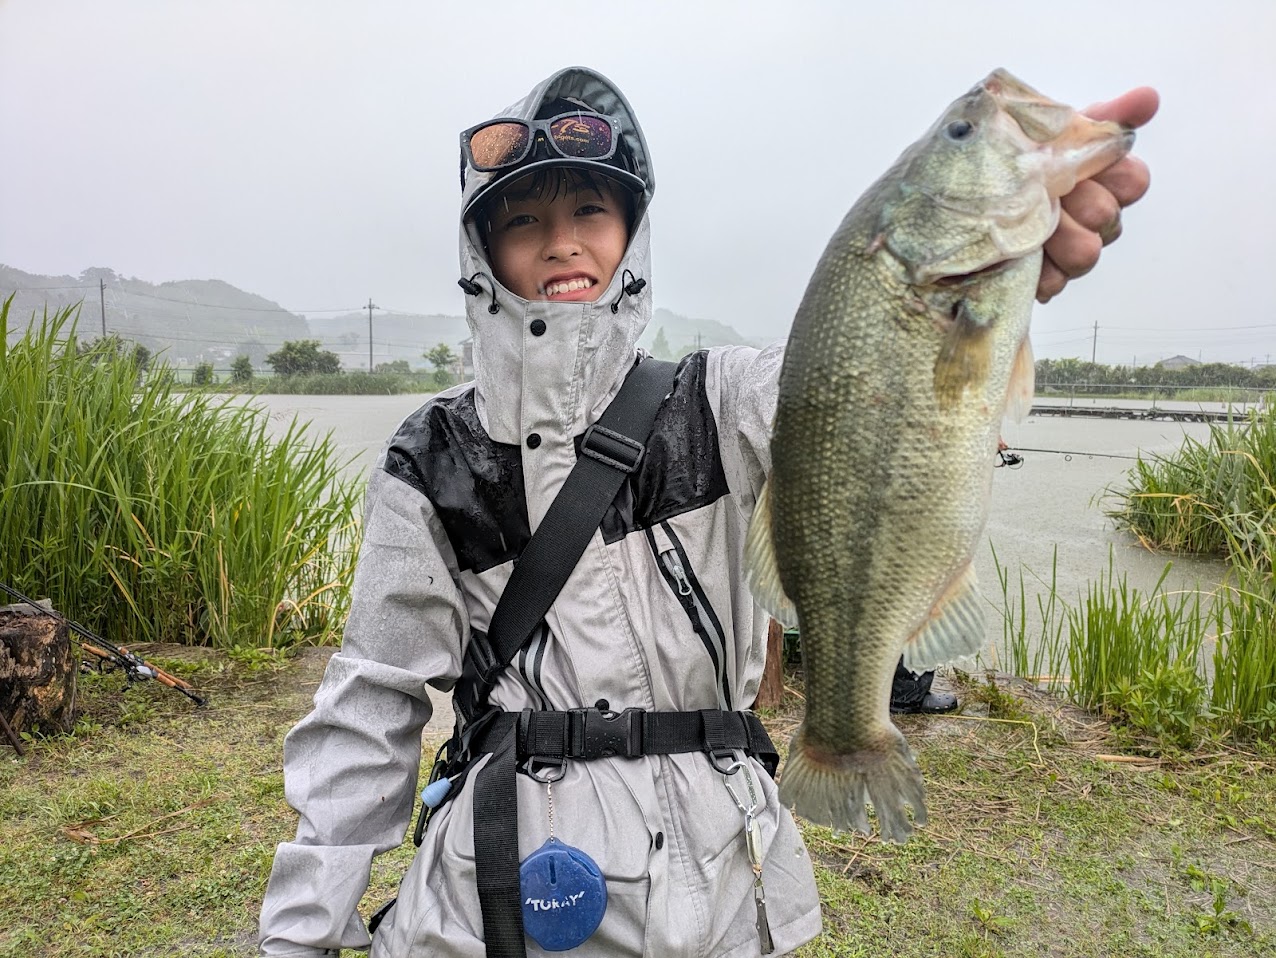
(771, 691)
(37, 671)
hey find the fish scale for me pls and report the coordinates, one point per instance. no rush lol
(908, 348)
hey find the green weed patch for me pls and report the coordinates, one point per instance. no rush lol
(148, 515)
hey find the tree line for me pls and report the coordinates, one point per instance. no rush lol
(1077, 376)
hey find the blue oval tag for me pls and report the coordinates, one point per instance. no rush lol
(564, 896)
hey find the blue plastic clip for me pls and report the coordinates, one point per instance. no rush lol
(435, 792)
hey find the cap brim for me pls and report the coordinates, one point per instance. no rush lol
(623, 177)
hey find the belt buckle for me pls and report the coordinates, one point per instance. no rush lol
(611, 734)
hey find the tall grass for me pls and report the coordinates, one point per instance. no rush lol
(1244, 689)
(1214, 498)
(153, 516)
(1141, 658)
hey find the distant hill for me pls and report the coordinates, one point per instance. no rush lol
(194, 321)
(683, 334)
(190, 320)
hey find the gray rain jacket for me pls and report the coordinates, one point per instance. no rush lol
(655, 616)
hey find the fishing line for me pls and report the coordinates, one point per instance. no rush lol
(1069, 453)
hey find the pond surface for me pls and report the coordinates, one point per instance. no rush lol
(1051, 502)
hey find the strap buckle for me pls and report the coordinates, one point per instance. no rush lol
(482, 659)
(479, 671)
(596, 734)
(612, 449)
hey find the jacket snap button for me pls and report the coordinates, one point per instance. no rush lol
(660, 840)
(538, 327)
(533, 440)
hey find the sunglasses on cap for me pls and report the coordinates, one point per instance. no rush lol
(502, 143)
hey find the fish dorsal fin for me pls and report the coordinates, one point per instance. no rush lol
(759, 560)
(1023, 383)
(954, 628)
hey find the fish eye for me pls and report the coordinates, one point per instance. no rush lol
(958, 129)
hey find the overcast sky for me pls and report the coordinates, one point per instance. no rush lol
(306, 150)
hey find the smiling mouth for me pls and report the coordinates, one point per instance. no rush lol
(567, 286)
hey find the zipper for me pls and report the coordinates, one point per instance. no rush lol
(678, 573)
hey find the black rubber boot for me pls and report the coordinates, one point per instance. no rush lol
(911, 694)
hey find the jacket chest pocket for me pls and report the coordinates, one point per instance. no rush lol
(680, 577)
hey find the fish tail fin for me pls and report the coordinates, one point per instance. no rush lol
(759, 560)
(831, 789)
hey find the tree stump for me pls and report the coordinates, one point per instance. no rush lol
(771, 691)
(37, 670)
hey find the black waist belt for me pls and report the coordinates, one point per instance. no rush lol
(589, 734)
(542, 739)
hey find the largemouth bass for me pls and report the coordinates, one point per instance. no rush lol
(909, 346)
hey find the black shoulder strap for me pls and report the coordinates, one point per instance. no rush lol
(611, 450)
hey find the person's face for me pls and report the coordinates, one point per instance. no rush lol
(561, 244)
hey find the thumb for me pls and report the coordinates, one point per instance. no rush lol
(1131, 109)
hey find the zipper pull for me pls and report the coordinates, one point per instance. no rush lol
(674, 565)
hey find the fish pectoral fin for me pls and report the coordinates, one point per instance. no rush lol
(954, 628)
(965, 357)
(759, 559)
(1023, 382)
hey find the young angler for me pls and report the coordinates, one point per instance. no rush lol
(656, 616)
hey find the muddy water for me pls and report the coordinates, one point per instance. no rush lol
(1050, 503)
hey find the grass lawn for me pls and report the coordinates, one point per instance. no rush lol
(150, 831)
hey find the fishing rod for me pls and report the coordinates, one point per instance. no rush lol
(134, 666)
(1066, 453)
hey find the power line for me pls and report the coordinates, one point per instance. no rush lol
(35, 289)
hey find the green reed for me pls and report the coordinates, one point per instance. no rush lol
(1141, 658)
(152, 515)
(1032, 651)
(1244, 689)
(1213, 498)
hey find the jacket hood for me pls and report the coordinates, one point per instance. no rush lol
(557, 374)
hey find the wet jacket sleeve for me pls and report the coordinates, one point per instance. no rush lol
(745, 383)
(351, 766)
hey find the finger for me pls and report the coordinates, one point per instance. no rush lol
(1073, 248)
(1092, 205)
(1127, 180)
(1131, 109)
(1051, 282)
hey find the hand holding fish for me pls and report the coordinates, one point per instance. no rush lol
(1091, 216)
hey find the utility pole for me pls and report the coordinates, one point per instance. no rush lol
(101, 297)
(1094, 347)
(370, 309)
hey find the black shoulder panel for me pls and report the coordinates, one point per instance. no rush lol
(682, 469)
(476, 484)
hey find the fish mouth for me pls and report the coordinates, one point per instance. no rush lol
(974, 276)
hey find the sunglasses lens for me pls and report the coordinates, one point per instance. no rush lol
(584, 136)
(499, 145)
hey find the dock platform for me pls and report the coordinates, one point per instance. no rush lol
(1183, 412)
